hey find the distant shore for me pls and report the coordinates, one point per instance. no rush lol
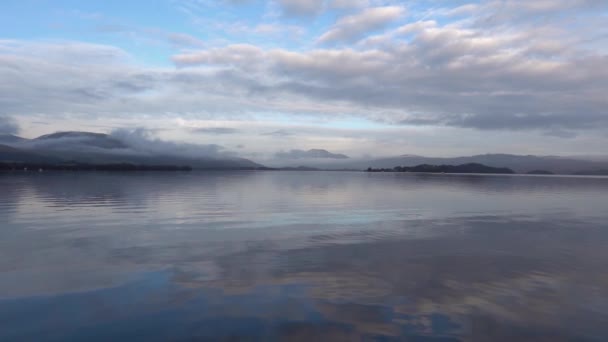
(464, 168)
(89, 167)
(471, 168)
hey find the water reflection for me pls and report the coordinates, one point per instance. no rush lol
(302, 256)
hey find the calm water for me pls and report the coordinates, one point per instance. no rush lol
(305, 256)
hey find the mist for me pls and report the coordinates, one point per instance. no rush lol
(144, 141)
(8, 125)
(126, 145)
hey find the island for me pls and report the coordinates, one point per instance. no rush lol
(464, 168)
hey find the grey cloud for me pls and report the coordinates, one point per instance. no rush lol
(131, 145)
(81, 141)
(348, 4)
(8, 125)
(184, 40)
(560, 133)
(237, 54)
(310, 154)
(354, 27)
(500, 12)
(215, 130)
(143, 140)
(443, 76)
(301, 8)
(454, 75)
(279, 133)
(504, 119)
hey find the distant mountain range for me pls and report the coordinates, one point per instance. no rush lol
(521, 164)
(518, 163)
(97, 148)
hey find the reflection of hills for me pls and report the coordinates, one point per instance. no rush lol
(103, 189)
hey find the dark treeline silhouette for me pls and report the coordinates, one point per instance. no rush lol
(603, 172)
(89, 167)
(464, 168)
(540, 172)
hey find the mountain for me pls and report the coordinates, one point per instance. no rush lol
(104, 149)
(310, 154)
(11, 154)
(98, 148)
(83, 138)
(11, 139)
(519, 163)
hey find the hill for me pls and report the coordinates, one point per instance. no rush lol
(464, 168)
(10, 139)
(102, 149)
(82, 138)
(15, 155)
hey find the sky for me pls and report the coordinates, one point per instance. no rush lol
(360, 77)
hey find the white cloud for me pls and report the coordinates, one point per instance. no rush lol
(353, 27)
(481, 72)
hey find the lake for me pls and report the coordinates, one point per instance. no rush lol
(304, 256)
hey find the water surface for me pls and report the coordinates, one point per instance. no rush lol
(302, 256)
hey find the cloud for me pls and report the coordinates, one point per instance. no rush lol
(184, 40)
(215, 130)
(496, 11)
(129, 145)
(236, 54)
(559, 133)
(301, 8)
(353, 27)
(279, 133)
(348, 4)
(81, 142)
(441, 75)
(144, 141)
(310, 154)
(8, 125)
(473, 73)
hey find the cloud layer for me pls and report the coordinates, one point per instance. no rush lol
(8, 125)
(490, 65)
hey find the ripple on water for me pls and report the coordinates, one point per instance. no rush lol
(303, 255)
